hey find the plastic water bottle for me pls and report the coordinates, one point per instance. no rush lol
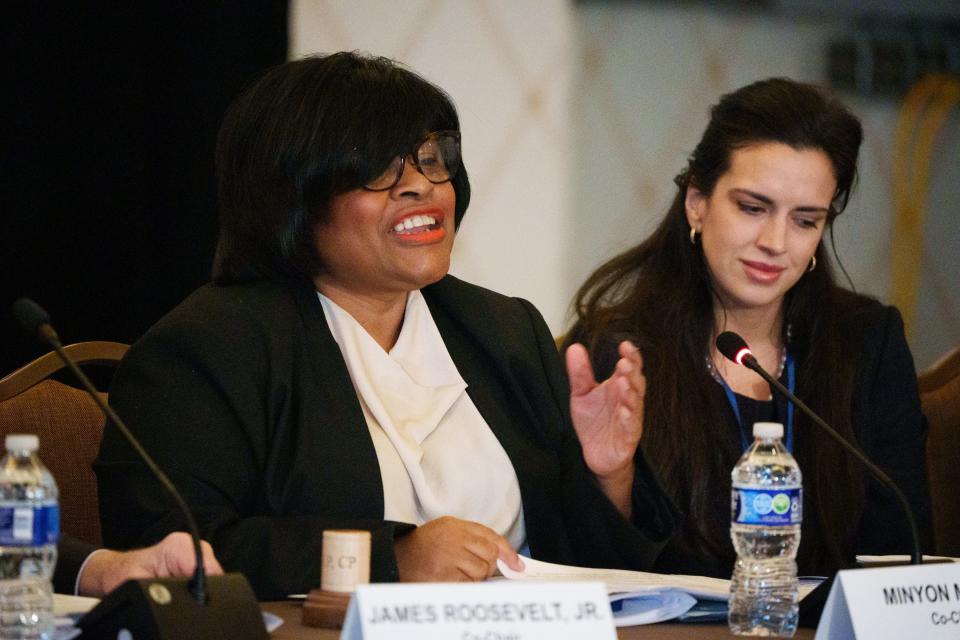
(767, 508)
(29, 528)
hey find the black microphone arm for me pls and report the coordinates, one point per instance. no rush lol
(735, 348)
(159, 608)
(37, 322)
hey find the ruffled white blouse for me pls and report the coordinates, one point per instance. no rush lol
(438, 457)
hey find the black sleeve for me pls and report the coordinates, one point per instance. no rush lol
(202, 403)
(71, 554)
(892, 431)
(634, 544)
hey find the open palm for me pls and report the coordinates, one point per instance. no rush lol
(607, 416)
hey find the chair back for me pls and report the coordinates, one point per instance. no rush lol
(940, 372)
(69, 425)
(941, 406)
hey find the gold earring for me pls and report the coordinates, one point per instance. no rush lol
(813, 264)
(693, 235)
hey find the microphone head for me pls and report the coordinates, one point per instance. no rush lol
(31, 316)
(733, 347)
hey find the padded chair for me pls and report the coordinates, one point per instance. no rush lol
(69, 425)
(940, 397)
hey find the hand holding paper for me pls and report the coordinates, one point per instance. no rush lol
(452, 550)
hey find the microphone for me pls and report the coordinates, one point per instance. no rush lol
(735, 348)
(227, 607)
(35, 320)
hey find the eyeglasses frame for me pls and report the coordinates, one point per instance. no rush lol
(414, 153)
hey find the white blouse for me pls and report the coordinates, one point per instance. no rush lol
(438, 457)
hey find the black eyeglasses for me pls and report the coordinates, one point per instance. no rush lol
(437, 157)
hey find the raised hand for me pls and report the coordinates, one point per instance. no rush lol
(608, 418)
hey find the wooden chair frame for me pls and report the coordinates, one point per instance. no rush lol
(94, 352)
(940, 372)
(940, 397)
(69, 425)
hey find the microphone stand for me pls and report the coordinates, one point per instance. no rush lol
(158, 609)
(916, 557)
(198, 584)
(734, 348)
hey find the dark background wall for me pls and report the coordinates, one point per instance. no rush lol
(107, 128)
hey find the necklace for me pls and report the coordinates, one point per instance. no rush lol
(786, 362)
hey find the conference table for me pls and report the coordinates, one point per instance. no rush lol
(292, 629)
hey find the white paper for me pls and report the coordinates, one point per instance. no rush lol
(620, 580)
(66, 609)
(271, 621)
(658, 595)
(878, 561)
(64, 605)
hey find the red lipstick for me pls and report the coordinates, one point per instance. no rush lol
(761, 272)
(418, 227)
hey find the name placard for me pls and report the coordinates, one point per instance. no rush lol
(894, 602)
(496, 609)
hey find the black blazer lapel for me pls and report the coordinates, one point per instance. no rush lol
(485, 347)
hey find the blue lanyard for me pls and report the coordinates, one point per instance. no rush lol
(791, 385)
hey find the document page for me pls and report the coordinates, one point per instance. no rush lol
(639, 597)
(621, 581)
(884, 561)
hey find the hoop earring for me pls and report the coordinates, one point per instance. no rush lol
(693, 236)
(813, 264)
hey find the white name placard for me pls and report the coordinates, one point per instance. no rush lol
(894, 602)
(493, 610)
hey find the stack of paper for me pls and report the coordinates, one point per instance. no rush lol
(637, 597)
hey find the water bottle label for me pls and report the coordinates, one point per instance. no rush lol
(26, 526)
(771, 507)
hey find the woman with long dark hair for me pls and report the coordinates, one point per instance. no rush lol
(741, 249)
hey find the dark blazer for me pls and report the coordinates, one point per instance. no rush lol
(71, 554)
(886, 422)
(242, 396)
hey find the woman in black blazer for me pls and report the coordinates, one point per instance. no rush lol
(270, 396)
(741, 249)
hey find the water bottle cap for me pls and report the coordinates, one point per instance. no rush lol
(22, 442)
(767, 430)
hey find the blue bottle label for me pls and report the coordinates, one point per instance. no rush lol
(29, 525)
(771, 507)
